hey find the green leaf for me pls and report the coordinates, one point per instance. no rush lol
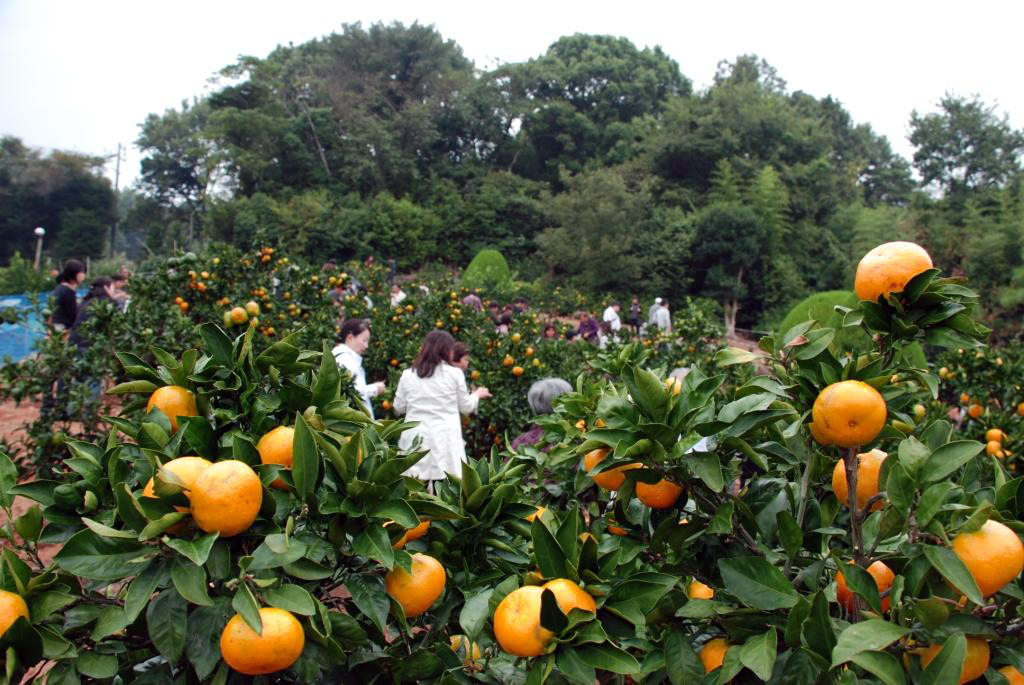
(399, 511)
(370, 598)
(608, 657)
(931, 501)
(682, 664)
(871, 635)
(98, 558)
(705, 465)
(8, 479)
(95, 665)
(245, 604)
(305, 460)
(133, 387)
(756, 583)
(790, 535)
(328, 380)
(375, 544)
(291, 598)
(883, 665)
(862, 583)
(190, 581)
(166, 619)
(202, 645)
(111, 620)
(948, 664)
(474, 614)
(198, 550)
(142, 588)
(551, 616)
(758, 654)
(30, 523)
(735, 355)
(948, 458)
(217, 344)
(649, 392)
(551, 559)
(947, 563)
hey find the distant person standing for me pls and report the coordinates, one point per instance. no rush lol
(117, 292)
(65, 313)
(355, 339)
(397, 295)
(434, 394)
(65, 309)
(611, 316)
(663, 318)
(101, 290)
(652, 311)
(635, 319)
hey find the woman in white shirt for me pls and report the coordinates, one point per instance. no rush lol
(355, 336)
(434, 393)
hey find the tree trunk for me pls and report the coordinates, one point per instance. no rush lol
(731, 307)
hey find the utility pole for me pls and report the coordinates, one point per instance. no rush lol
(117, 204)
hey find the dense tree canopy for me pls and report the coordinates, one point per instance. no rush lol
(595, 161)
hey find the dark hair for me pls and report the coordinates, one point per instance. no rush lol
(353, 327)
(119, 277)
(492, 305)
(549, 327)
(606, 327)
(435, 350)
(72, 268)
(459, 350)
(615, 303)
(97, 290)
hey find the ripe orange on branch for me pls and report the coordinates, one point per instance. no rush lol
(867, 479)
(274, 649)
(660, 495)
(416, 591)
(226, 498)
(993, 554)
(611, 479)
(517, 623)
(275, 447)
(888, 268)
(173, 401)
(976, 658)
(849, 413)
(712, 654)
(883, 577)
(11, 607)
(570, 596)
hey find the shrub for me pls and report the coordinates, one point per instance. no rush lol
(487, 270)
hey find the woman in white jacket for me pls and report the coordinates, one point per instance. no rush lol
(434, 393)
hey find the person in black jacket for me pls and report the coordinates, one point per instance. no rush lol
(65, 312)
(101, 290)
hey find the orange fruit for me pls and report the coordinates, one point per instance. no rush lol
(187, 469)
(818, 436)
(469, 651)
(569, 595)
(226, 498)
(418, 590)
(238, 315)
(509, 360)
(400, 542)
(1013, 675)
(849, 413)
(965, 398)
(517, 371)
(184, 306)
(975, 411)
(993, 554)
(274, 649)
(698, 590)
(975, 659)
(888, 268)
(712, 654)
(173, 401)
(11, 607)
(867, 479)
(616, 530)
(660, 495)
(994, 434)
(611, 479)
(1020, 409)
(993, 448)
(252, 308)
(538, 512)
(883, 576)
(517, 623)
(419, 531)
(275, 447)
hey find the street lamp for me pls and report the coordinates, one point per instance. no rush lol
(40, 232)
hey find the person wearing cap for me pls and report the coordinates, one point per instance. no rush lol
(652, 311)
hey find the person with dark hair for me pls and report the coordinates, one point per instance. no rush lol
(433, 393)
(635, 318)
(493, 311)
(611, 316)
(117, 291)
(65, 309)
(355, 339)
(460, 356)
(550, 332)
(522, 305)
(588, 328)
(540, 396)
(505, 320)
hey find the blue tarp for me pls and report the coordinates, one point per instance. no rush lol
(16, 339)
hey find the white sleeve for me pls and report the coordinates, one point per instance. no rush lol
(351, 364)
(468, 401)
(401, 402)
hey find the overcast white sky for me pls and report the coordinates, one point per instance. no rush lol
(81, 75)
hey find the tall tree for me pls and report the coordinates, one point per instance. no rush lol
(965, 146)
